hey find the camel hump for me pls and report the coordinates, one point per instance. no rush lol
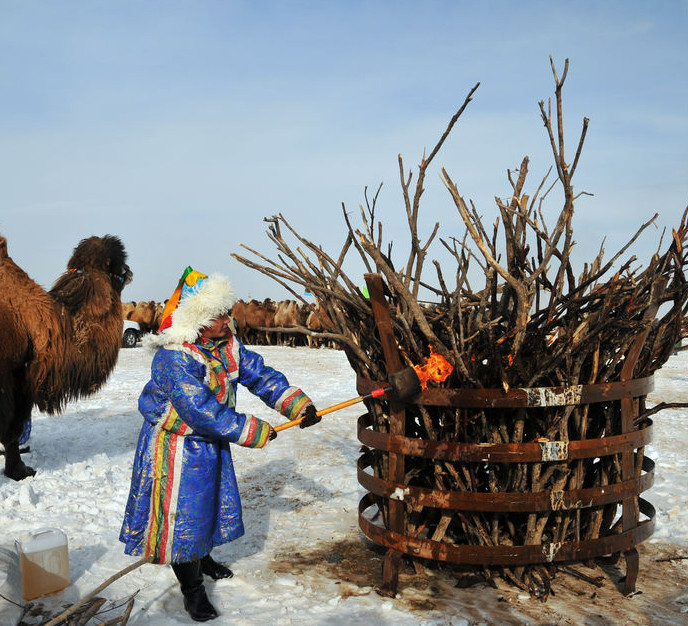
(3, 247)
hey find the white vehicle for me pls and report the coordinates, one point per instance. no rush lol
(131, 333)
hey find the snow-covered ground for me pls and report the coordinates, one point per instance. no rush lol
(302, 560)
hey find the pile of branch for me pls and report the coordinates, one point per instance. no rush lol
(533, 322)
(91, 605)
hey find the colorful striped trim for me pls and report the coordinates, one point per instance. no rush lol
(231, 356)
(292, 403)
(222, 362)
(167, 455)
(215, 373)
(255, 433)
(174, 424)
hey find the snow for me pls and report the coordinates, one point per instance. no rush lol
(303, 560)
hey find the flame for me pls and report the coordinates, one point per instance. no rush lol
(436, 368)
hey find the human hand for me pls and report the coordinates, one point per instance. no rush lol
(272, 434)
(310, 418)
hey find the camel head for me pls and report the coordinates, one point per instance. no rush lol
(106, 254)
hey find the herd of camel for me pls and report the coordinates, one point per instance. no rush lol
(266, 322)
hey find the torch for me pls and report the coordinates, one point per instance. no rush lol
(401, 385)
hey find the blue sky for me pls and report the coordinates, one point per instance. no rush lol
(179, 125)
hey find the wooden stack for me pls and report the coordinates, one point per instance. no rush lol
(533, 325)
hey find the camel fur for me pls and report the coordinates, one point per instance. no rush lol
(57, 345)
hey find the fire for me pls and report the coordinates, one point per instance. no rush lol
(436, 368)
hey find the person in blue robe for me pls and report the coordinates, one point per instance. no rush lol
(184, 499)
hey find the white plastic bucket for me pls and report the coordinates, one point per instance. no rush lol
(43, 562)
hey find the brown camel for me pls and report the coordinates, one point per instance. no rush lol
(61, 344)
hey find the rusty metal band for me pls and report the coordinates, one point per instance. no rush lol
(519, 397)
(507, 502)
(500, 452)
(502, 554)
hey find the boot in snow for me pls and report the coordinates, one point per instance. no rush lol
(215, 570)
(196, 601)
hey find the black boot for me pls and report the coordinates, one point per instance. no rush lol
(196, 601)
(214, 569)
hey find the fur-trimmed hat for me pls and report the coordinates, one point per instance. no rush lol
(195, 303)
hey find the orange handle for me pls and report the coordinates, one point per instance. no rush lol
(329, 409)
(335, 407)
